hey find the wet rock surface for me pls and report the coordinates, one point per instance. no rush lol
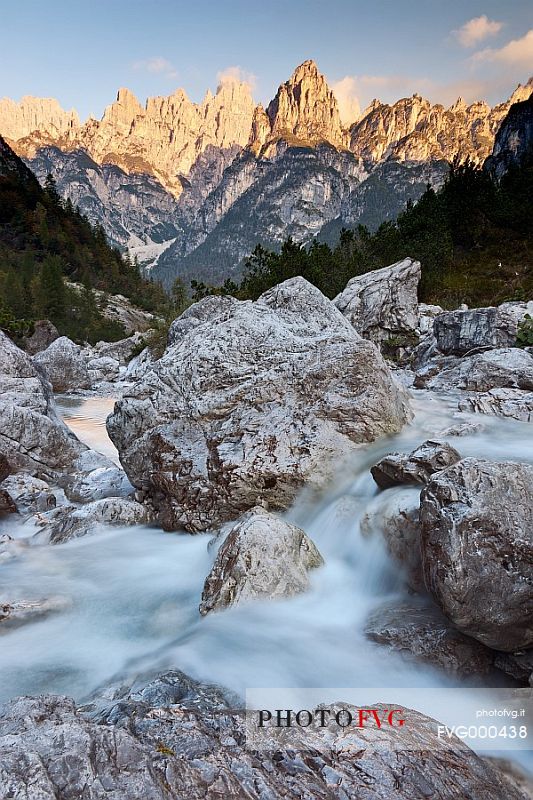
(422, 632)
(175, 739)
(513, 403)
(417, 467)
(68, 522)
(395, 517)
(493, 369)
(99, 483)
(477, 547)
(20, 612)
(261, 557)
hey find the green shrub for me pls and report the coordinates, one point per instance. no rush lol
(524, 335)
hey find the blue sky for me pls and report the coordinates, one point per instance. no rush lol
(81, 52)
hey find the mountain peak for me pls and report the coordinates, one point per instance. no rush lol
(43, 114)
(305, 69)
(306, 108)
(123, 111)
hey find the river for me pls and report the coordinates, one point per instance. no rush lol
(132, 594)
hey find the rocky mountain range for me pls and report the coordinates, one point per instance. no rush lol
(192, 188)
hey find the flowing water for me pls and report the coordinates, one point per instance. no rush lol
(132, 594)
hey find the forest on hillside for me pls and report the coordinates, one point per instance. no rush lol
(473, 237)
(45, 240)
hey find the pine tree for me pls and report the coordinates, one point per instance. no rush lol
(48, 290)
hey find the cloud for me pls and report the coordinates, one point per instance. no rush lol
(157, 65)
(346, 92)
(516, 53)
(354, 92)
(235, 74)
(477, 30)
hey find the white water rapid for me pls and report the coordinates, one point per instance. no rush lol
(132, 594)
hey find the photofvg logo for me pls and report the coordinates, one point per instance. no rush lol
(323, 717)
(395, 719)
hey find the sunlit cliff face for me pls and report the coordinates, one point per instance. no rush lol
(165, 137)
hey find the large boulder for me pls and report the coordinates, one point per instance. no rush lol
(459, 332)
(417, 467)
(252, 403)
(261, 557)
(477, 548)
(123, 350)
(49, 752)
(32, 437)
(211, 307)
(422, 633)
(513, 403)
(64, 365)
(171, 738)
(383, 304)
(507, 367)
(103, 368)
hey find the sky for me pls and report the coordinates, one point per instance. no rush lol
(81, 52)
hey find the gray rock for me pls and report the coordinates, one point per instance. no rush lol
(417, 467)
(426, 316)
(32, 437)
(64, 366)
(98, 484)
(261, 557)
(49, 752)
(249, 406)
(458, 332)
(123, 350)
(500, 368)
(103, 368)
(44, 333)
(20, 612)
(212, 307)
(422, 632)
(140, 365)
(462, 429)
(29, 494)
(383, 303)
(176, 739)
(69, 522)
(477, 548)
(513, 403)
(90, 460)
(517, 776)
